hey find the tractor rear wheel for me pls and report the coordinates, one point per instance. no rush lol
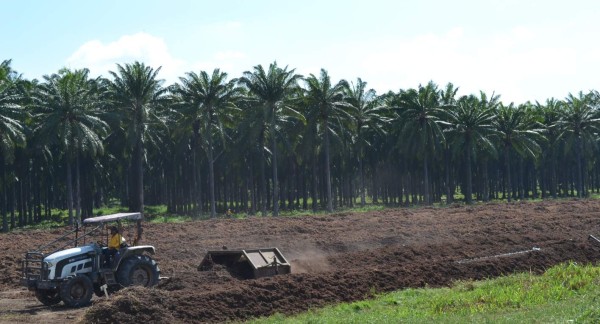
(138, 270)
(77, 291)
(48, 297)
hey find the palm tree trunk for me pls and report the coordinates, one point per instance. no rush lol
(486, 182)
(508, 180)
(292, 192)
(196, 183)
(69, 190)
(469, 193)
(251, 185)
(314, 190)
(200, 193)
(362, 182)
(77, 189)
(449, 193)
(211, 176)
(263, 180)
(13, 200)
(543, 176)
(580, 187)
(521, 184)
(27, 199)
(4, 196)
(426, 181)
(553, 179)
(328, 170)
(138, 163)
(20, 204)
(275, 180)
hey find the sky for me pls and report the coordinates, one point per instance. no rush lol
(525, 50)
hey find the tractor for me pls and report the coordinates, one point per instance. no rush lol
(74, 266)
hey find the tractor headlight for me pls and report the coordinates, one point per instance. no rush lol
(49, 264)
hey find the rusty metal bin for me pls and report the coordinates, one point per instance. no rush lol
(248, 264)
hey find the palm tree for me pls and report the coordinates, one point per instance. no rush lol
(516, 131)
(368, 117)
(579, 124)
(252, 128)
(308, 149)
(327, 100)
(421, 131)
(12, 132)
(138, 93)
(272, 90)
(208, 105)
(448, 99)
(11, 113)
(67, 109)
(470, 124)
(550, 153)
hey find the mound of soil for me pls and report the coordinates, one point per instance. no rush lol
(342, 257)
(131, 305)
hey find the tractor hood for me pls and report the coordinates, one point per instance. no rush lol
(76, 251)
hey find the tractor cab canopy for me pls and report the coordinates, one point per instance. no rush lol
(96, 227)
(100, 221)
(112, 218)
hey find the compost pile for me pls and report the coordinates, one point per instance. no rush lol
(346, 257)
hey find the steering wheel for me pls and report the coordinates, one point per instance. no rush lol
(100, 243)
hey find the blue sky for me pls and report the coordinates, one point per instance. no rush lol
(522, 50)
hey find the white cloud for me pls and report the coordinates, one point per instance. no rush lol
(151, 50)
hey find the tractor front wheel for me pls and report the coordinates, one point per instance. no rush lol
(48, 297)
(77, 291)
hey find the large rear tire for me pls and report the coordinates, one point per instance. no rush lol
(48, 297)
(77, 291)
(138, 270)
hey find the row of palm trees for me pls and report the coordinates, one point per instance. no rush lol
(203, 145)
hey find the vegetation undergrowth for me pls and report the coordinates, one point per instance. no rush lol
(160, 214)
(565, 293)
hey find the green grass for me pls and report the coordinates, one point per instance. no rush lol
(170, 219)
(110, 210)
(567, 293)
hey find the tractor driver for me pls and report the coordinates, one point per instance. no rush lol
(116, 239)
(115, 242)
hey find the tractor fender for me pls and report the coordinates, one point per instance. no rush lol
(133, 250)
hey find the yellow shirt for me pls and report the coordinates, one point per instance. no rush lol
(115, 241)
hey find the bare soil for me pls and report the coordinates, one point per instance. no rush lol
(337, 258)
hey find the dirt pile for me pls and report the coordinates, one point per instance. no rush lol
(342, 257)
(132, 305)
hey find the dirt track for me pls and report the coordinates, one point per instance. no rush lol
(335, 258)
